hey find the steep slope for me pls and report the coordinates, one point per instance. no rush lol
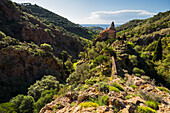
(25, 27)
(57, 20)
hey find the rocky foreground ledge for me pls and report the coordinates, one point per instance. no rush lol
(136, 95)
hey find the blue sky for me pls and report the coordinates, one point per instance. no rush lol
(103, 11)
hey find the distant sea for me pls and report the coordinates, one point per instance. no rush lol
(99, 25)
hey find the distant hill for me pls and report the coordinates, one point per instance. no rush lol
(146, 26)
(57, 20)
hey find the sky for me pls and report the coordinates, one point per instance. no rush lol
(102, 11)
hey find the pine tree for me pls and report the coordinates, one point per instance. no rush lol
(124, 37)
(158, 51)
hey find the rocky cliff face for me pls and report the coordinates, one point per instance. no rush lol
(26, 27)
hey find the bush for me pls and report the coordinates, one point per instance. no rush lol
(46, 97)
(46, 47)
(88, 104)
(148, 96)
(8, 107)
(133, 59)
(112, 88)
(138, 71)
(142, 109)
(103, 87)
(69, 64)
(91, 81)
(46, 83)
(152, 104)
(79, 75)
(131, 44)
(100, 100)
(133, 86)
(100, 46)
(117, 86)
(164, 89)
(24, 104)
(92, 54)
(100, 59)
(109, 51)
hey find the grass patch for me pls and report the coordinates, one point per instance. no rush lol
(112, 88)
(100, 100)
(164, 89)
(152, 104)
(88, 104)
(142, 109)
(117, 86)
(133, 86)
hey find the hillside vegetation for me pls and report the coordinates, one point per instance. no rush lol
(45, 67)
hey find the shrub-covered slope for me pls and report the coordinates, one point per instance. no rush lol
(57, 20)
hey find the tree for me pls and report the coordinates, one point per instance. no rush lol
(46, 47)
(124, 37)
(24, 104)
(158, 51)
(46, 83)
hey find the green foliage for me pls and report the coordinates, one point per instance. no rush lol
(138, 71)
(142, 109)
(127, 97)
(101, 100)
(91, 81)
(46, 83)
(100, 59)
(46, 47)
(145, 55)
(133, 59)
(138, 48)
(88, 104)
(103, 87)
(92, 54)
(158, 51)
(80, 74)
(149, 96)
(69, 64)
(133, 86)
(24, 104)
(131, 44)
(73, 104)
(2, 35)
(100, 46)
(151, 46)
(8, 107)
(112, 88)
(164, 89)
(152, 104)
(117, 86)
(109, 51)
(46, 97)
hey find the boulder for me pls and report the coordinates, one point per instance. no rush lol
(116, 102)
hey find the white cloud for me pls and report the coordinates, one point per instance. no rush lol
(121, 16)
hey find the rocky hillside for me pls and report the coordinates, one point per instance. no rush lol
(131, 95)
(57, 20)
(26, 27)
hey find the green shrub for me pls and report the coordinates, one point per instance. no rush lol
(92, 54)
(112, 88)
(80, 74)
(127, 97)
(103, 87)
(133, 59)
(8, 107)
(131, 44)
(69, 64)
(46, 83)
(91, 81)
(100, 46)
(117, 86)
(152, 104)
(100, 100)
(46, 97)
(142, 109)
(100, 59)
(88, 104)
(148, 96)
(138, 71)
(2, 35)
(24, 104)
(72, 104)
(109, 51)
(164, 89)
(46, 47)
(133, 86)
